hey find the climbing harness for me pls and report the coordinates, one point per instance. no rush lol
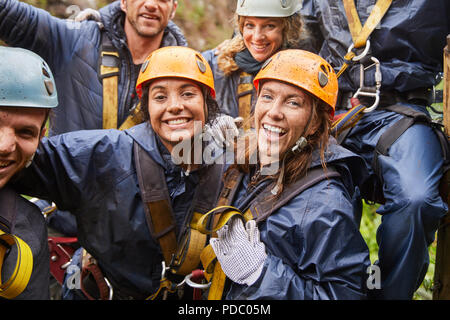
(181, 254)
(255, 206)
(360, 35)
(109, 64)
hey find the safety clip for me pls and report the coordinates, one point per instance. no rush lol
(373, 92)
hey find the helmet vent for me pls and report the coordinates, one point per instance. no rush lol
(283, 3)
(49, 86)
(323, 76)
(45, 72)
(200, 64)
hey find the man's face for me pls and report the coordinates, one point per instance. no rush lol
(148, 18)
(20, 133)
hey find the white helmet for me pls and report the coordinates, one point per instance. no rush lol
(268, 8)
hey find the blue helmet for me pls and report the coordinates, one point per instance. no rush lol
(25, 80)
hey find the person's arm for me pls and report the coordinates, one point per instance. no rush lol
(318, 254)
(310, 18)
(25, 26)
(76, 168)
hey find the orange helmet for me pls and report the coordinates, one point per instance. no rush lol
(305, 70)
(179, 62)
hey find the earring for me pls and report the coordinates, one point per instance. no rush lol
(300, 144)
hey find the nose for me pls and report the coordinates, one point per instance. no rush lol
(175, 105)
(275, 112)
(259, 34)
(7, 141)
(150, 4)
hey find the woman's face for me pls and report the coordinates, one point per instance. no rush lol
(176, 108)
(262, 36)
(281, 114)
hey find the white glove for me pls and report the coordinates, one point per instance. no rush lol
(223, 130)
(240, 251)
(88, 14)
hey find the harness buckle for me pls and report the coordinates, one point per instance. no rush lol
(373, 92)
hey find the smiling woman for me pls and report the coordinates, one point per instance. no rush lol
(298, 237)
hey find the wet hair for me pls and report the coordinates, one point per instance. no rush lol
(211, 104)
(295, 164)
(294, 33)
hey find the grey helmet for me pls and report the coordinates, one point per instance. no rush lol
(25, 80)
(268, 8)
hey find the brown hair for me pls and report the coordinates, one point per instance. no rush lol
(293, 33)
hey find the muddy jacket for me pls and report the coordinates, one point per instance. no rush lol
(314, 247)
(72, 52)
(92, 174)
(408, 42)
(29, 225)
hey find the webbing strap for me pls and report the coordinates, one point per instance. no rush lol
(348, 120)
(360, 33)
(109, 74)
(22, 270)
(158, 210)
(244, 92)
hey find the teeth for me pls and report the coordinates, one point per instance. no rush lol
(148, 17)
(260, 47)
(177, 121)
(4, 163)
(274, 129)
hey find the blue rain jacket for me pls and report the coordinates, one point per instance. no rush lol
(226, 86)
(92, 174)
(408, 42)
(315, 250)
(29, 225)
(72, 51)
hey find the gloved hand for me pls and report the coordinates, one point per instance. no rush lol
(223, 130)
(240, 251)
(88, 14)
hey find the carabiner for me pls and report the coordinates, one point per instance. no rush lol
(194, 284)
(370, 92)
(363, 54)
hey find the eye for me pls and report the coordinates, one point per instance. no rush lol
(265, 97)
(295, 103)
(249, 25)
(27, 133)
(159, 97)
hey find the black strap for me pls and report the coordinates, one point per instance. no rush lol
(107, 60)
(394, 132)
(262, 207)
(8, 209)
(152, 183)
